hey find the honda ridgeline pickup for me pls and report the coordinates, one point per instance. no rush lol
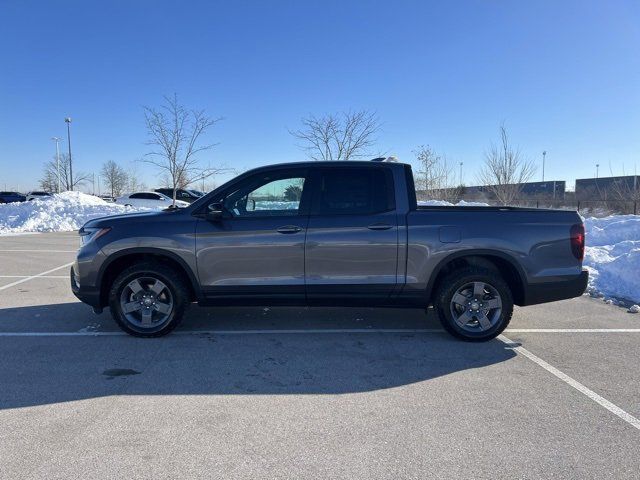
(329, 233)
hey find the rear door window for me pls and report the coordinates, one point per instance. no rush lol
(354, 191)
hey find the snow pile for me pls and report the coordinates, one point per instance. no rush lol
(64, 212)
(275, 205)
(444, 203)
(613, 256)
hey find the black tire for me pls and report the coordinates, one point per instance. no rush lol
(178, 293)
(473, 331)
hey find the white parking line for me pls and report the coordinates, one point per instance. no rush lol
(227, 332)
(40, 276)
(627, 417)
(309, 331)
(18, 282)
(573, 330)
(37, 251)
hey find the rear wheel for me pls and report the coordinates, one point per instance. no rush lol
(148, 299)
(474, 304)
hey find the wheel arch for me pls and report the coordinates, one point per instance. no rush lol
(125, 258)
(505, 264)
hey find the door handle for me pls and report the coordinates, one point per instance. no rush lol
(379, 226)
(289, 229)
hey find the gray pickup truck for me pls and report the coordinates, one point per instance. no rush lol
(329, 233)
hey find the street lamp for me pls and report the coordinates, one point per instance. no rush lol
(57, 140)
(68, 122)
(544, 154)
(597, 167)
(461, 173)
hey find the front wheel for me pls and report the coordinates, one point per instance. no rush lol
(474, 304)
(148, 299)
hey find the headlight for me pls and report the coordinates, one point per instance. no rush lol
(88, 234)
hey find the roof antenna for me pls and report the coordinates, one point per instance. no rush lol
(385, 159)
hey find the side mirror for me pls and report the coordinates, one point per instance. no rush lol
(215, 212)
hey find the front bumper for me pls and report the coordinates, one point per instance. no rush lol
(88, 295)
(566, 287)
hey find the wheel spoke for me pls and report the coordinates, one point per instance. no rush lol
(157, 287)
(460, 299)
(135, 286)
(478, 290)
(492, 303)
(146, 316)
(163, 308)
(131, 307)
(464, 318)
(485, 323)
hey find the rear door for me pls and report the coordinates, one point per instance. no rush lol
(351, 252)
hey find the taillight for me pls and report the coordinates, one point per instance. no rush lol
(577, 240)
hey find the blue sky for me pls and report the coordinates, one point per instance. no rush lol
(563, 76)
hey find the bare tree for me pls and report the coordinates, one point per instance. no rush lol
(50, 175)
(49, 181)
(505, 170)
(345, 136)
(436, 177)
(175, 134)
(134, 184)
(115, 177)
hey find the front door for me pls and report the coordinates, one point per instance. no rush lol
(351, 253)
(256, 251)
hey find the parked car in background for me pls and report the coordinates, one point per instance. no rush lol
(9, 197)
(148, 199)
(329, 233)
(38, 195)
(198, 192)
(188, 196)
(107, 198)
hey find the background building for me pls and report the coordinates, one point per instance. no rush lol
(608, 188)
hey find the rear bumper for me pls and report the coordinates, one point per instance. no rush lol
(88, 295)
(566, 287)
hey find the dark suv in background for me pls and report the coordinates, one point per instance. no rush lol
(188, 196)
(9, 197)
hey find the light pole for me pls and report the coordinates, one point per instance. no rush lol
(461, 173)
(57, 140)
(68, 122)
(544, 154)
(597, 167)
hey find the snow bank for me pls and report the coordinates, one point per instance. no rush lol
(613, 256)
(276, 205)
(443, 203)
(64, 212)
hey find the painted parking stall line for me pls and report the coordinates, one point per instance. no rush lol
(39, 250)
(226, 332)
(40, 276)
(302, 331)
(26, 279)
(613, 408)
(573, 330)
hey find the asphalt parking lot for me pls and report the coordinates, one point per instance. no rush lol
(306, 393)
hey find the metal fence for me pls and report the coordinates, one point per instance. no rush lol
(590, 207)
(595, 207)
